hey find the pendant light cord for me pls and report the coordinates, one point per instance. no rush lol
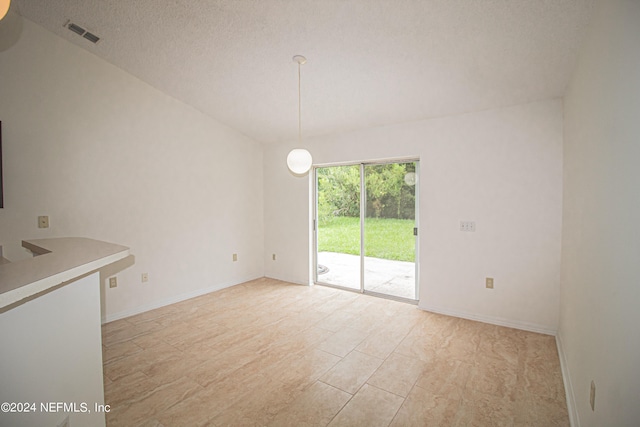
(299, 106)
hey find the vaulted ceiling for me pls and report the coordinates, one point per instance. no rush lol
(370, 62)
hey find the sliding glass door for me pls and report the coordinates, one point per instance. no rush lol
(365, 228)
(389, 229)
(338, 226)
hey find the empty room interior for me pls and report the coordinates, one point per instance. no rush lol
(162, 264)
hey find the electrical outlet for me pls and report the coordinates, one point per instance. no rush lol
(273, 257)
(235, 257)
(145, 277)
(489, 282)
(592, 396)
(43, 221)
(467, 226)
(113, 282)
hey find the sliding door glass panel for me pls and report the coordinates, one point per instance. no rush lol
(389, 223)
(338, 226)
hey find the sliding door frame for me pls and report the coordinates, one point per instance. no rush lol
(363, 202)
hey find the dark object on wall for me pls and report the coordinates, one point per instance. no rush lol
(1, 195)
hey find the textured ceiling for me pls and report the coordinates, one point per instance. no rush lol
(370, 62)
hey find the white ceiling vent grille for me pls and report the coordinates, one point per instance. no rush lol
(82, 32)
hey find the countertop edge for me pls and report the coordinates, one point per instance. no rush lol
(36, 287)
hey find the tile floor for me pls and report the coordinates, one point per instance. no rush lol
(268, 353)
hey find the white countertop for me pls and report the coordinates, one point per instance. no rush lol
(59, 260)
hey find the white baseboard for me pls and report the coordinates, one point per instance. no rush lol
(574, 419)
(172, 300)
(525, 326)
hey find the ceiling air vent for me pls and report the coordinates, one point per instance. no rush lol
(82, 32)
(91, 37)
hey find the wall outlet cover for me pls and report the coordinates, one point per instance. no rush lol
(43, 221)
(489, 282)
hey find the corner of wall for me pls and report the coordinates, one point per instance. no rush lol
(574, 419)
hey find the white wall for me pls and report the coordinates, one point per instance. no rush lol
(108, 157)
(52, 352)
(600, 293)
(501, 168)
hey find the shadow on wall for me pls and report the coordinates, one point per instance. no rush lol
(10, 30)
(110, 271)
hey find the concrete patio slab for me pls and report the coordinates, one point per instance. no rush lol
(395, 278)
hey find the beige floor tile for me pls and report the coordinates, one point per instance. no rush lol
(120, 350)
(207, 322)
(301, 341)
(220, 396)
(333, 303)
(543, 378)
(301, 370)
(128, 389)
(153, 315)
(383, 341)
(343, 342)
(220, 366)
(370, 407)
(155, 401)
(505, 346)
(171, 368)
(258, 407)
(360, 305)
(232, 338)
(397, 374)
(352, 371)
(116, 325)
(316, 406)
(254, 354)
(461, 346)
(337, 320)
(419, 346)
(534, 410)
(179, 332)
(126, 333)
(370, 320)
(485, 410)
(193, 411)
(492, 377)
(445, 377)
(424, 409)
(149, 340)
(137, 361)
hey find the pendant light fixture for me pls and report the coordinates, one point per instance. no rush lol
(4, 7)
(299, 160)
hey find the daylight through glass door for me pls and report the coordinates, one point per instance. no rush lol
(365, 226)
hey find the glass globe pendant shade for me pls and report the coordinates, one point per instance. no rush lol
(4, 7)
(299, 161)
(411, 178)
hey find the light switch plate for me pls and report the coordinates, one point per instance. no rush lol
(467, 226)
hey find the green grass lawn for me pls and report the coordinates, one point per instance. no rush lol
(384, 238)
